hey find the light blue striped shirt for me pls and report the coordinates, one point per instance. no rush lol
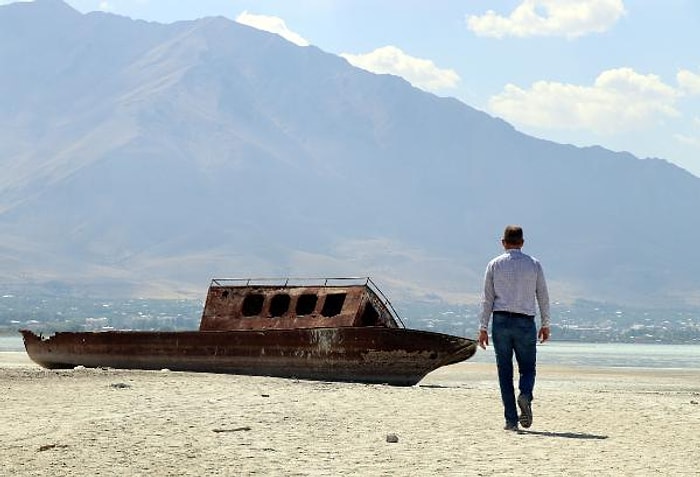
(513, 281)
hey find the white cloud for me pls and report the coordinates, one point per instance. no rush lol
(421, 73)
(689, 82)
(688, 140)
(569, 18)
(272, 25)
(105, 6)
(694, 138)
(619, 100)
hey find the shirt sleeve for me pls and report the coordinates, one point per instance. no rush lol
(542, 295)
(487, 299)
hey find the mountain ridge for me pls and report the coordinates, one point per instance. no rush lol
(154, 157)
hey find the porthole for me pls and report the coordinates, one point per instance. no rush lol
(333, 304)
(279, 305)
(252, 304)
(306, 304)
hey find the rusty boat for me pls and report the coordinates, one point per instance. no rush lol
(339, 329)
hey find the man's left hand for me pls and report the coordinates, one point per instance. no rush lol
(483, 338)
(543, 335)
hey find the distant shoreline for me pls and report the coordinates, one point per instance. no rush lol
(693, 342)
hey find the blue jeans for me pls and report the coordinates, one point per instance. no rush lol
(513, 335)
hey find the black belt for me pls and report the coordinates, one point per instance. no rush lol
(512, 314)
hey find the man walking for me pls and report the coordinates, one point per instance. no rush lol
(512, 283)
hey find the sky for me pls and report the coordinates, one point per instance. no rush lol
(622, 74)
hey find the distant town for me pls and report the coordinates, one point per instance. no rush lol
(582, 321)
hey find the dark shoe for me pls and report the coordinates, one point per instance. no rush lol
(511, 427)
(525, 411)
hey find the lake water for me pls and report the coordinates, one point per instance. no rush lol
(615, 355)
(626, 355)
(11, 343)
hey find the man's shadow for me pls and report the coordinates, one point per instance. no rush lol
(566, 435)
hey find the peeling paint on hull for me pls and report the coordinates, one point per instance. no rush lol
(337, 329)
(395, 356)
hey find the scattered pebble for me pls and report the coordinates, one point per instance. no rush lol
(393, 438)
(235, 429)
(51, 446)
(120, 385)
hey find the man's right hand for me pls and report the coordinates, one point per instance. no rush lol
(483, 338)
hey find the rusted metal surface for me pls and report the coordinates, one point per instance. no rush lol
(395, 356)
(354, 339)
(234, 304)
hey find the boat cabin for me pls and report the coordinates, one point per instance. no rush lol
(247, 304)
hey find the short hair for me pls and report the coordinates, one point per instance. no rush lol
(513, 235)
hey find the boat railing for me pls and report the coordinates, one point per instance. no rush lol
(385, 300)
(311, 281)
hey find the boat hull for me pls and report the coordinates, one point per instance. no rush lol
(395, 356)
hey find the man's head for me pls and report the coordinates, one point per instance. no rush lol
(513, 237)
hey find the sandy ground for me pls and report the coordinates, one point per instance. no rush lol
(588, 422)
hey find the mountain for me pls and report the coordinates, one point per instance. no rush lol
(143, 159)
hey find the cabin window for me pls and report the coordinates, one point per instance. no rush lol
(253, 304)
(333, 304)
(306, 304)
(369, 316)
(224, 294)
(279, 304)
